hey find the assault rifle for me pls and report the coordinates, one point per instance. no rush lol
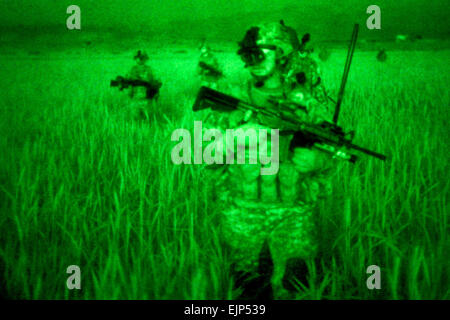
(326, 136)
(152, 87)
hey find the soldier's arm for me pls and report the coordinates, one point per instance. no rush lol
(316, 109)
(226, 120)
(320, 106)
(148, 74)
(310, 95)
(306, 159)
(133, 73)
(307, 106)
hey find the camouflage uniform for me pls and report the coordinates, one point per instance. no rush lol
(208, 78)
(275, 208)
(140, 104)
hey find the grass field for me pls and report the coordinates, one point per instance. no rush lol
(82, 184)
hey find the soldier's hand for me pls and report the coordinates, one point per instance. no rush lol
(306, 160)
(248, 114)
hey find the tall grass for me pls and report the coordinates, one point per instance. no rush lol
(81, 183)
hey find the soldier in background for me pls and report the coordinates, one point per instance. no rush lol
(268, 221)
(141, 96)
(381, 55)
(208, 68)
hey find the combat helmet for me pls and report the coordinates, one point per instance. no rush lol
(273, 36)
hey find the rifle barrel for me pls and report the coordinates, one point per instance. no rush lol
(367, 151)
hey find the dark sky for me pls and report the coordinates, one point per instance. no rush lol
(226, 18)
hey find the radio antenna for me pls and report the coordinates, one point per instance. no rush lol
(348, 61)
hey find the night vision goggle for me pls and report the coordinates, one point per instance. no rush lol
(254, 55)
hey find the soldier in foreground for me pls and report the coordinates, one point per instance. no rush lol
(268, 220)
(142, 84)
(208, 68)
